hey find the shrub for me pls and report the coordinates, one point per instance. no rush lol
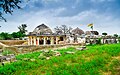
(99, 41)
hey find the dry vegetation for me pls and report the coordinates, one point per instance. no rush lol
(13, 42)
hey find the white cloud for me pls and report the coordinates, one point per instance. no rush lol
(102, 23)
(101, 0)
(46, 1)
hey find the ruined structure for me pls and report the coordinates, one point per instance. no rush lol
(43, 35)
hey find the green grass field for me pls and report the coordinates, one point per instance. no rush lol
(96, 60)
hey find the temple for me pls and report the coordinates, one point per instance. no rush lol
(43, 35)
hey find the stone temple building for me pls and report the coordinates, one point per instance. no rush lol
(43, 35)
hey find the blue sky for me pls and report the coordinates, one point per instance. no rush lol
(104, 14)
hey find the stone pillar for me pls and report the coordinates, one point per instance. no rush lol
(44, 41)
(34, 40)
(31, 40)
(52, 40)
(64, 39)
(102, 41)
(117, 40)
(57, 38)
(71, 40)
(28, 40)
(38, 40)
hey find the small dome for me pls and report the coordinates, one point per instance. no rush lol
(78, 31)
(42, 29)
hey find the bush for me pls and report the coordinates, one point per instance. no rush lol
(5, 36)
(99, 41)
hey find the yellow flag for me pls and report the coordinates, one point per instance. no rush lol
(90, 25)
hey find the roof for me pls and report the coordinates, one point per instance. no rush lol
(41, 30)
(78, 31)
(92, 33)
(45, 35)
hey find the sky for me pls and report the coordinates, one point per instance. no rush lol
(104, 14)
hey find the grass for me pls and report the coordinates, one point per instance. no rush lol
(6, 51)
(96, 60)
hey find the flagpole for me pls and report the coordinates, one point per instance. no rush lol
(92, 28)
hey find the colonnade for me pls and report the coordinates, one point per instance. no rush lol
(35, 40)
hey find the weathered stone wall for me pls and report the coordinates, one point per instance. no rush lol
(13, 42)
(32, 48)
(102, 40)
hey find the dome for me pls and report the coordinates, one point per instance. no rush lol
(78, 31)
(42, 29)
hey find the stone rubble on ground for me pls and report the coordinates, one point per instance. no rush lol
(69, 52)
(32, 60)
(2, 58)
(25, 59)
(81, 48)
(57, 54)
(7, 59)
(47, 58)
(5, 62)
(46, 54)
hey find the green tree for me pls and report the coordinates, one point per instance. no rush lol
(14, 35)
(5, 36)
(17, 35)
(22, 28)
(7, 6)
(104, 34)
(115, 35)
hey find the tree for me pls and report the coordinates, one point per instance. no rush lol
(104, 34)
(17, 35)
(22, 28)
(58, 30)
(115, 35)
(63, 29)
(7, 6)
(5, 36)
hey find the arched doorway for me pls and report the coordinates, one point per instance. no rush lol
(41, 41)
(48, 40)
